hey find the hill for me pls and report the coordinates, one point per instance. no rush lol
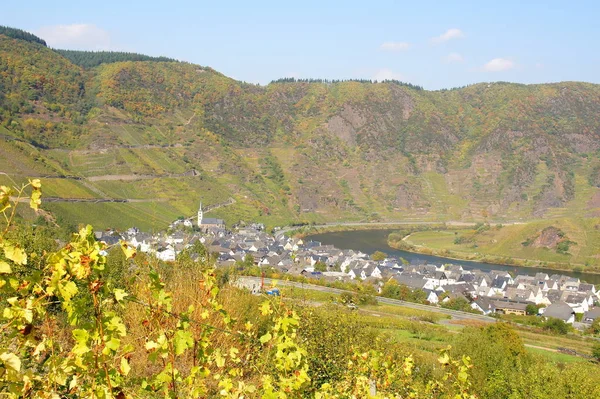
(163, 135)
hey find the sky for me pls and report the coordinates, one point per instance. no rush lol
(435, 44)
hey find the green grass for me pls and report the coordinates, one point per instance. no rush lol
(407, 312)
(65, 188)
(146, 216)
(556, 356)
(438, 239)
(507, 241)
(307, 294)
(581, 345)
(163, 161)
(21, 159)
(405, 325)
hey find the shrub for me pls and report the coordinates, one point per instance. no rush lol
(556, 326)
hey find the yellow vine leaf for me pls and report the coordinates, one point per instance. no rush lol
(35, 200)
(36, 183)
(11, 361)
(128, 250)
(265, 308)
(15, 254)
(5, 268)
(125, 368)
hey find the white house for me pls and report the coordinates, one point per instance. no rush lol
(167, 254)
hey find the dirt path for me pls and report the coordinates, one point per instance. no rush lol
(190, 120)
(122, 177)
(94, 200)
(541, 347)
(131, 177)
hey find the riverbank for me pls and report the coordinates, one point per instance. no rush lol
(560, 244)
(372, 240)
(306, 231)
(496, 243)
(505, 260)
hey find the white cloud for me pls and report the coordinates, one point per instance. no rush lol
(394, 46)
(448, 35)
(499, 65)
(453, 58)
(76, 37)
(387, 74)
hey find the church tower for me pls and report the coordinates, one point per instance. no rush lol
(200, 215)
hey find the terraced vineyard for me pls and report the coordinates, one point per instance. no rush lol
(161, 136)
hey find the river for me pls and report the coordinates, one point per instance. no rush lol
(369, 241)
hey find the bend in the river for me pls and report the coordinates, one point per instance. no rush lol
(369, 241)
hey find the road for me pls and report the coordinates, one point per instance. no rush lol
(455, 314)
(451, 223)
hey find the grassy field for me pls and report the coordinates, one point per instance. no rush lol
(556, 356)
(407, 312)
(146, 216)
(506, 241)
(308, 295)
(428, 332)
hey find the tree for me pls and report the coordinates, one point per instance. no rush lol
(458, 303)
(531, 309)
(499, 354)
(596, 352)
(378, 256)
(595, 327)
(556, 326)
(320, 267)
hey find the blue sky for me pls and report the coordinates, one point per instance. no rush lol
(436, 44)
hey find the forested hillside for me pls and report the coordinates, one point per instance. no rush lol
(89, 59)
(292, 151)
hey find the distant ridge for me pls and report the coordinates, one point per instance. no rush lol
(85, 59)
(90, 59)
(21, 35)
(333, 81)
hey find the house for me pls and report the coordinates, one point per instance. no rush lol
(141, 241)
(591, 315)
(166, 254)
(432, 296)
(484, 305)
(511, 307)
(482, 280)
(499, 285)
(571, 284)
(587, 288)
(249, 284)
(372, 271)
(516, 294)
(578, 302)
(561, 311)
(437, 278)
(413, 282)
(357, 273)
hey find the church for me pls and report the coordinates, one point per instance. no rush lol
(208, 223)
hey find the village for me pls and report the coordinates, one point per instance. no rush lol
(488, 292)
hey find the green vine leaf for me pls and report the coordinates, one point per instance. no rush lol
(265, 338)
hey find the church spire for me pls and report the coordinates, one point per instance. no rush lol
(200, 215)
